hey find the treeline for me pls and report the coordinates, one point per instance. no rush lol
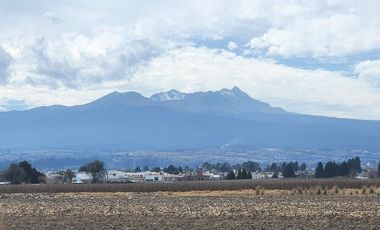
(344, 169)
(226, 167)
(23, 173)
(242, 174)
(280, 167)
(170, 169)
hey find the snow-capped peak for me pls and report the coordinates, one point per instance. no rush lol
(235, 91)
(172, 95)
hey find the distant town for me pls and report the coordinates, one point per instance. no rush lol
(95, 172)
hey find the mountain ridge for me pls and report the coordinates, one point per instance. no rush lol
(188, 120)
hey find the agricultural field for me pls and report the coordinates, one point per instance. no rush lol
(319, 207)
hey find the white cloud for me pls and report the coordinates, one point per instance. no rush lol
(99, 47)
(369, 71)
(297, 90)
(232, 45)
(53, 16)
(350, 30)
(5, 61)
(77, 61)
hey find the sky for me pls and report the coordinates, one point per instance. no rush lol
(312, 57)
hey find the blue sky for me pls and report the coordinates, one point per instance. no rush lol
(313, 57)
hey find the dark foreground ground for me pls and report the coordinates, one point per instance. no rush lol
(243, 209)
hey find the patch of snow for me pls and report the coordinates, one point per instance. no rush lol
(172, 95)
(226, 92)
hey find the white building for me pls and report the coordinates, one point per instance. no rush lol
(154, 177)
(82, 178)
(258, 176)
(212, 175)
(145, 176)
(116, 176)
(171, 177)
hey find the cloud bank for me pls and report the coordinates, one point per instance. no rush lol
(313, 57)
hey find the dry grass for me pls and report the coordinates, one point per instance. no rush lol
(315, 191)
(2, 220)
(258, 185)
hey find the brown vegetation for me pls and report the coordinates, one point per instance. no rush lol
(282, 184)
(239, 209)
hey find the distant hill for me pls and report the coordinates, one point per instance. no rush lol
(174, 120)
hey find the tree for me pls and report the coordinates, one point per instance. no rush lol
(249, 175)
(288, 171)
(294, 165)
(137, 169)
(303, 167)
(69, 175)
(33, 176)
(239, 175)
(66, 177)
(275, 175)
(171, 170)
(357, 165)
(378, 170)
(207, 166)
(145, 168)
(96, 169)
(251, 166)
(156, 169)
(273, 167)
(244, 174)
(319, 171)
(231, 175)
(223, 167)
(283, 166)
(354, 165)
(331, 169)
(15, 174)
(343, 169)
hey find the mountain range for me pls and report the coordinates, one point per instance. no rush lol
(176, 120)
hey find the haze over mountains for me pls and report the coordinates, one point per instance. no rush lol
(175, 120)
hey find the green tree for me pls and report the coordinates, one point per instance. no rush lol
(275, 175)
(303, 167)
(331, 169)
(343, 169)
(137, 169)
(239, 175)
(96, 169)
(207, 166)
(231, 175)
(319, 171)
(288, 171)
(354, 165)
(274, 167)
(156, 169)
(145, 168)
(251, 166)
(66, 177)
(171, 170)
(249, 175)
(223, 167)
(33, 176)
(244, 174)
(15, 174)
(357, 164)
(69, 175)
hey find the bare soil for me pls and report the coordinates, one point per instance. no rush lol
(191, 210)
